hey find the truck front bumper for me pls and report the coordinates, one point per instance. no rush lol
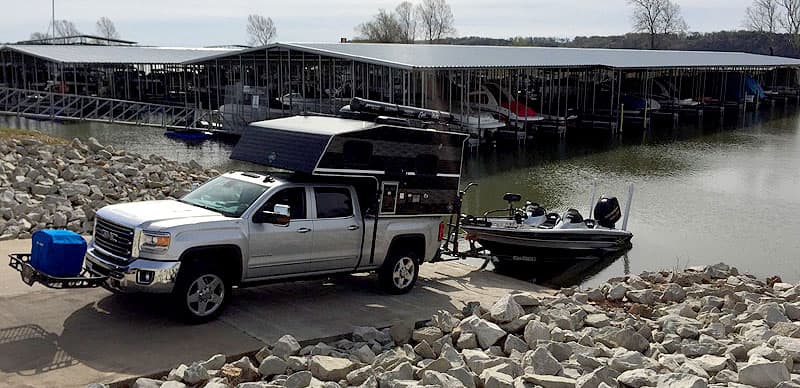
(140, 275)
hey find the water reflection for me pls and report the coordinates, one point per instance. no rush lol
(560, 272)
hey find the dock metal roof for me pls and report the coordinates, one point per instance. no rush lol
(425, 56)
(114, 54)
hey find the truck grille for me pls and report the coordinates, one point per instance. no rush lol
(114, 238)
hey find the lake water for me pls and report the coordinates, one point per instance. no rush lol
(705, 192)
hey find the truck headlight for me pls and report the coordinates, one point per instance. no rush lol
(155, 241)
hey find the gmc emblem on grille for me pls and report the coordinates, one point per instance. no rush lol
(108, 235)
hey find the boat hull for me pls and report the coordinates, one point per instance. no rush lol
(531, 242)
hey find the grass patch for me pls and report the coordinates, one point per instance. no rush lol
(13, 133)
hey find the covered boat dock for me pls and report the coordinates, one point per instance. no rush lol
(603, 87)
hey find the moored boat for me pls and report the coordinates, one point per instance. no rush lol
(533, 232)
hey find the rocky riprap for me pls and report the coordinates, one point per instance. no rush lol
(706, 326)
(61, 186)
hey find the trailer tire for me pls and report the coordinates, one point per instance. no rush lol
(201, 292)
(399, 273)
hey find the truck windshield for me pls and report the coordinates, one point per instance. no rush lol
(230, 197)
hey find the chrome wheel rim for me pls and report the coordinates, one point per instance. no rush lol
(403, 273)
(205, 295)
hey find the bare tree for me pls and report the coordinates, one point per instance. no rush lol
(64, 28)
(655, 17)
(408, 21)
(383, 28)
(672, 21)
(260, 30)
(38, 36)
(105, 28)
(790, 20)
(647, 16)
(436, 19)
(763, 16)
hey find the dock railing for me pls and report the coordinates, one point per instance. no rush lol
(49, 105)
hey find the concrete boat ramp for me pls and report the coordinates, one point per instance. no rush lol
(69, 338)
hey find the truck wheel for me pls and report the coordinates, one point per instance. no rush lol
(399, 273)
(201, 293)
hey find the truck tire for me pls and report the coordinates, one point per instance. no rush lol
(399, 273)
(201, 292)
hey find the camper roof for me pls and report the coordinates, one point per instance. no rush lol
(332, 145)
(316, 125)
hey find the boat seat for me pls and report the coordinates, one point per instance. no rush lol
(511, 197)
(573, 216)
(550, 221)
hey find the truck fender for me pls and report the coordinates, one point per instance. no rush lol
(414, 243)
(230, 255)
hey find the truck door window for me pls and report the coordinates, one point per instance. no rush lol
(333, 202)
(295, 197)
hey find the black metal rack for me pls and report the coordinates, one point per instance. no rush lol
(21, 263)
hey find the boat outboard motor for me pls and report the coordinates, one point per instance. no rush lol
(607, 212)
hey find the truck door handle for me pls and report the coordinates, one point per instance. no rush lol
(352, 227)
(303, 230)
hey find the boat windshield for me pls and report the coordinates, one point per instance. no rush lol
(227, 196)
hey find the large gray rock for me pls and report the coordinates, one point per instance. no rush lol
(637, 378)
(272, 366)
(673, 293)
(440, 379)
(215, 362)
(711, 363)
(625, 338)
(789, 345)
(630, 360)
(403, 371)
(536, 331)
(360, 375)
(597, 320)
(547, 381)
(617, 292)
(488, 333)
(680, 380)
(369, 334)
(506, 309)
(286, 346)
(427, 333)
(600, 375)
(764, 374)
(298, 379)
(495, 379)
(195, 374)
(328, 368)
(645, 296)
(463, 375)
(514, 343)
(541, 362)
(144, 382)
(401, 332)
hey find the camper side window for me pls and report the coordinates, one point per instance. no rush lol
(333, 202)
(357, 153)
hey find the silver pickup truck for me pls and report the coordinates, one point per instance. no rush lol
(243, 229)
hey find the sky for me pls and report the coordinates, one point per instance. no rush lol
(191, 23)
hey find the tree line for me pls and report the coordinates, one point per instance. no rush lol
(769, 27)
(67, 30)
(430, 20)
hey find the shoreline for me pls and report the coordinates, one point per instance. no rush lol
(704, 326)
(48, 183)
